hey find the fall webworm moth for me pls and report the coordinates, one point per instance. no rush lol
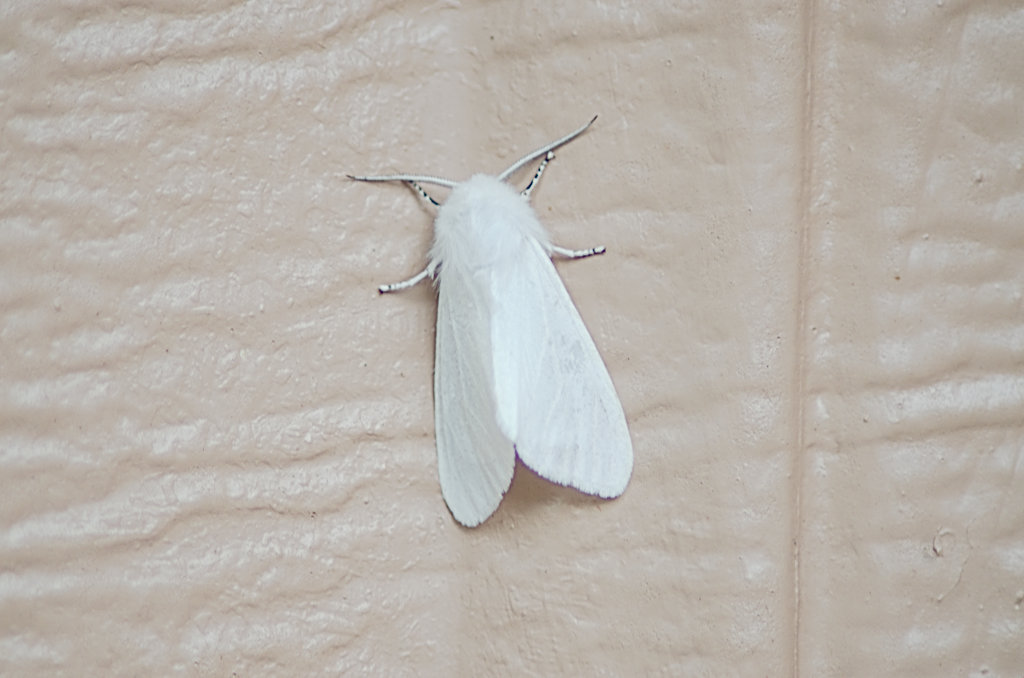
(515, 369)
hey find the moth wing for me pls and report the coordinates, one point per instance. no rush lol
(555, 398)
(475, 460)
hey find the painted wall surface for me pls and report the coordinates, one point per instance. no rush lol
(216, 438)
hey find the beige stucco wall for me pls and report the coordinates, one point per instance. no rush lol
(216, 438)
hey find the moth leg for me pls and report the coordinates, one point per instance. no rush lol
(536, 177)
(405, 284)
(576, 254)
(424, 194)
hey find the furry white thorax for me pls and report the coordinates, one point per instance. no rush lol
(483, 222)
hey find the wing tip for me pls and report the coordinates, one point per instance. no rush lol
(471, 516)
(612, 488)
(471, 506)
(608, 483)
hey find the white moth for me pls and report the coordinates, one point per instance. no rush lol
(515, 370)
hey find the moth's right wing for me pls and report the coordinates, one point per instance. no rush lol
(475, 460)
(555, 397)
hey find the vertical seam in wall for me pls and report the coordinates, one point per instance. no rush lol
(800, 378)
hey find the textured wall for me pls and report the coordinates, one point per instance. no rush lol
(216, 438)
